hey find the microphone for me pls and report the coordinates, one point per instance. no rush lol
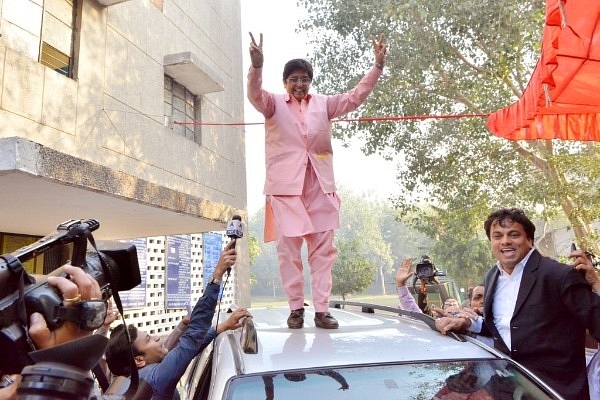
(235, 228)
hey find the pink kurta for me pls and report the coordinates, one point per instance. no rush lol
(298, 135)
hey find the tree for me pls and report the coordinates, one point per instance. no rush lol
(253, 247)
(253, 252)
(361, 221)
(452, 57)
(352, 271)
(264, 268)
(463, 254)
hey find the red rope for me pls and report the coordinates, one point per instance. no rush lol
(366, 119)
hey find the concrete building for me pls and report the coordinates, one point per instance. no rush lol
(100, 109)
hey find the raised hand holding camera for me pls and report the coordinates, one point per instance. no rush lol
(587, 263)
(57, 300)
(76, 292)
(426, 273)
(426, 270)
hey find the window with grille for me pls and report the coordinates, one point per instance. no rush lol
(182, 108)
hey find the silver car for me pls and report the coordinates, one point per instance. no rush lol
(377, 353)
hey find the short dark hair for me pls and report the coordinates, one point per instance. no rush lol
(295, 64)
(118, 353)
(473, 289)
(510, 215)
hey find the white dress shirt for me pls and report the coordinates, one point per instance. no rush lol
(505, 298)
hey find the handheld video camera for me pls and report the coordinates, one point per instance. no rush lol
(21, 294)
(426, 270)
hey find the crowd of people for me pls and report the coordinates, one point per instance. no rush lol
(302, 206)
(504, 311)
(532, 308)
(160, 363)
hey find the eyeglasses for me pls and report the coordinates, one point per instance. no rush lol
(295, 81)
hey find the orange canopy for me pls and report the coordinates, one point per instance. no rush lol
(562, 98)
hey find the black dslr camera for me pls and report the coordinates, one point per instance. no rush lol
(21, 294)
(426, 270)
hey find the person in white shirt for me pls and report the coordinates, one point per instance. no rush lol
(536, 309)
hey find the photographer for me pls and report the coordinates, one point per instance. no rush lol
(160, 368)
(450, 308)
(407, 301)
(476, 299)
(79, 287)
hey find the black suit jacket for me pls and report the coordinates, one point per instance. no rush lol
(553, 308)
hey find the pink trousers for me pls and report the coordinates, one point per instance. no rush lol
(310, 217)
(322, 254)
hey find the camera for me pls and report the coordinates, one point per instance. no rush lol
(21, 294)
(63, 371)
(426, 270)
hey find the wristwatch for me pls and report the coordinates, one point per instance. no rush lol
(214, 281)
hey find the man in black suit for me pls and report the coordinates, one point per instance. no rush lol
(535, 308)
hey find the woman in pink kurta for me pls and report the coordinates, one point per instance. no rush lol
(302, 204)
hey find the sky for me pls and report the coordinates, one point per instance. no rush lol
(277, 21)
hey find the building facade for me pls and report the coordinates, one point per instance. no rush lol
(123, 111)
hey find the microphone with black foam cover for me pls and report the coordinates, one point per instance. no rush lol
(235, 228)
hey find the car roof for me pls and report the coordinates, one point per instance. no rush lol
(369, 336)
(362, 338)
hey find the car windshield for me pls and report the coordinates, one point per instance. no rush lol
(472, 380)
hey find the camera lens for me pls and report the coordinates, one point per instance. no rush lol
(50, 380)
(122, 266)
(426, 270)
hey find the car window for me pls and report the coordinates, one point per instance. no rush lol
(472, 380)
(198, 376)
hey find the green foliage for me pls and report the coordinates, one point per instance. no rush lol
(453, 57)
(253, 253)
(352, 271)
(458, 250)
(361, 223)
(264, 268)
(253, 247)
